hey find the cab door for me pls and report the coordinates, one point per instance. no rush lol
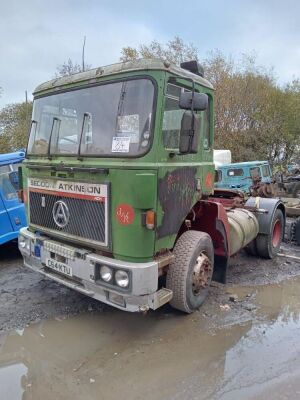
(9, 197)
(6, 227)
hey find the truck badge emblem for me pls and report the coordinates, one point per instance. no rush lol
(61, 214)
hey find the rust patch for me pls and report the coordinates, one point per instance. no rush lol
(176, 191)
(209, 180)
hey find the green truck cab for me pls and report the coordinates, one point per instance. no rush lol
(118, 184)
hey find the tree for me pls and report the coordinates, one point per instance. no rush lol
(254, 117)
(14, 126)
(175, 51)
(69, 68)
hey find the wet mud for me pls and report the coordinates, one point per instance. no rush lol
(111, 355)
(242, 344)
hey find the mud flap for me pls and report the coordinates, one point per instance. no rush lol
(220, 269)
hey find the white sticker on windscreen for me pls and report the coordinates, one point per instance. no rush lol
(120, 144)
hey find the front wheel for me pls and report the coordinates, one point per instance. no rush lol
(190, 274)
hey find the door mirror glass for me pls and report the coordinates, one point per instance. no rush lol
(198, 103)
(189, 133)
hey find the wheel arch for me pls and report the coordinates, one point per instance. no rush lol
(265, 218)
(210, 217)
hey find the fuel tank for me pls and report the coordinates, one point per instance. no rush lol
(243, 228)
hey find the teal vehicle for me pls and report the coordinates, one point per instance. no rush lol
(242, 175)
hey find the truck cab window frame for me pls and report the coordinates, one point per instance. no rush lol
(172, 116)
(121, 123)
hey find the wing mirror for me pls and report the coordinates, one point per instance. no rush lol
(196, 102)
(189, 133)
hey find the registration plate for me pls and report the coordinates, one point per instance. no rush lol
(59, 267)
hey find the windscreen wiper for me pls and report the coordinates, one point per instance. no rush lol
(54, 121)
(85, 116)
(33, 124)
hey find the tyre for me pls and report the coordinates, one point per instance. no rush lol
(190, 274)
(251, 248)
(296, 191)
(295, 231)
(268, 246)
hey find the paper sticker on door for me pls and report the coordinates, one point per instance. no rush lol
(120, 145)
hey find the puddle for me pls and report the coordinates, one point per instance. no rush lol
(161, 355)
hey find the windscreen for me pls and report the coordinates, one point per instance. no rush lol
(112, 119)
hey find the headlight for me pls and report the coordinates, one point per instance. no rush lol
(122, 278)
(106, 273)
(24, 243)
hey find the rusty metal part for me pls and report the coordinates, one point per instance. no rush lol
(228, 193)
(176, 191)
(262, 189)
(288, 256)
(202, 273)
(292, 206)
(164, 259)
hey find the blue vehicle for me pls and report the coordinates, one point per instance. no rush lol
(242, 175)
(12, 211)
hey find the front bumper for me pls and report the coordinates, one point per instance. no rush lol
(141, 295)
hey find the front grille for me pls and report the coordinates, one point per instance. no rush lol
(87, 218)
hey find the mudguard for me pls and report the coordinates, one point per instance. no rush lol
(265, 218)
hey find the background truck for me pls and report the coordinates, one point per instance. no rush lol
(118, 184)
(12, 212)
(255, 178)
(243, 175)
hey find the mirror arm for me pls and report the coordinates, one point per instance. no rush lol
(192, 133)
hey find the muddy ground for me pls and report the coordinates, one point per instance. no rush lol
(26, 296)
(243, 343)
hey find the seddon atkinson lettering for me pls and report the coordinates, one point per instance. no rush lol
(68, 187)
(119, 194)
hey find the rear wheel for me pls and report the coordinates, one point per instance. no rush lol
(190, 274)
(295, 231)
(268, 246)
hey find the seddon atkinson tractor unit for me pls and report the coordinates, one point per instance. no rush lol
(118, 184)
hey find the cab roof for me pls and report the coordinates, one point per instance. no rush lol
(244, 164)
(12, 158)
(142, 64)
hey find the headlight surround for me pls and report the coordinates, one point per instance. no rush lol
(122, 278)
(106, 273)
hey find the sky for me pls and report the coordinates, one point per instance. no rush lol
(38, 35)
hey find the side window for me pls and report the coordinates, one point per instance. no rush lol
(265, 171)
(255, 172)
(235, 172)
(4, 169)
(218, 175)
(172, 118)
(14, 175)
(6, 183)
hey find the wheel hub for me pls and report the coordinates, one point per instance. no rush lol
(201, 273)
(276, 237)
